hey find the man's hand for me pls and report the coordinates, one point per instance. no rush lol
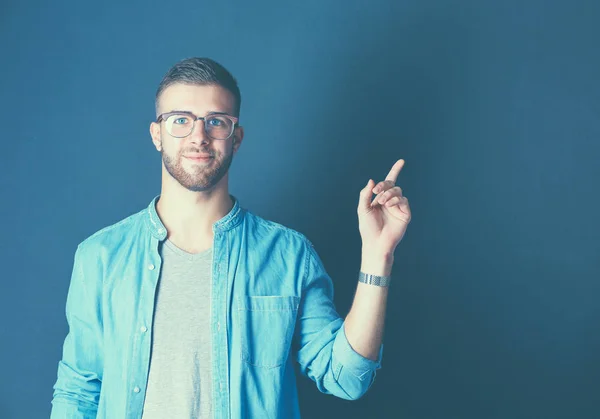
(382, 222)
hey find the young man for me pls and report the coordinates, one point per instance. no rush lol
(195, 307)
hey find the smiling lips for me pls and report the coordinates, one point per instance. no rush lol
(198, 157)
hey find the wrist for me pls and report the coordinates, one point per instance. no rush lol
(377, 263)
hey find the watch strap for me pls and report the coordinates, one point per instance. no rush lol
(380, 281)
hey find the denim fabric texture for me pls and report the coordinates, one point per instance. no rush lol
(272, 305)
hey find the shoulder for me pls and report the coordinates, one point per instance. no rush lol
(115, 233)
(265, 228)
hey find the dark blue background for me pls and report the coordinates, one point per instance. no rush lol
(494, 105)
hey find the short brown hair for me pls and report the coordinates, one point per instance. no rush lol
(200, 71)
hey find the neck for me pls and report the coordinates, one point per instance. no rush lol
(189, 216)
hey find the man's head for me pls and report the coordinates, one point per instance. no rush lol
(201, 87)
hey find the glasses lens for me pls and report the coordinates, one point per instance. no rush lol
(219, 127)
(179, 125)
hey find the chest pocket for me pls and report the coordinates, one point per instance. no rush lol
(267, 327)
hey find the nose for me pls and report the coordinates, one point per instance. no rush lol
(198, 134)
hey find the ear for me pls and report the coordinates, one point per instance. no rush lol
(238, 137)
(155, 134)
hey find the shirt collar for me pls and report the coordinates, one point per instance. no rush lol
(158, 230)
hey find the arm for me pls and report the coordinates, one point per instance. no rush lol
(322, 347)
(79, 377)
(365, 321)
(382, 223)
(342, 356)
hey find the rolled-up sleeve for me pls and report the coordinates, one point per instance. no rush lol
(77, 388)
(322, 349)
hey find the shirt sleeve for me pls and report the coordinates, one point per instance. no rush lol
(320, 342)
(77, 388)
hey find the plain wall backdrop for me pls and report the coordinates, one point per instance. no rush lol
(494, 308)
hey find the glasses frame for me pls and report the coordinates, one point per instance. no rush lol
(164, 116)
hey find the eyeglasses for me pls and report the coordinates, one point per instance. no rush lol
(181, 124)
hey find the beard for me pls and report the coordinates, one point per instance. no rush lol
(200, 176)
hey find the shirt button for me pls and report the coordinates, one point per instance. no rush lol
(143, 329)
(221, 386)
(136, 390)
(219, 326)
(160, 231)
(151, 267)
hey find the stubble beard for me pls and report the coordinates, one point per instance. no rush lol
(200, 177)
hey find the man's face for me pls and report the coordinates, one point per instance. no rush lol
(195, 175)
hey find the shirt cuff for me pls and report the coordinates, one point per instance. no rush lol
(351, 360)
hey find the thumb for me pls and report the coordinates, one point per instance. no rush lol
(364, 202)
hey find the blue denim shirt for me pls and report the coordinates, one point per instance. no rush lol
(272, 304)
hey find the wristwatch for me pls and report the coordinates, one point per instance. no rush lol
(380, 281)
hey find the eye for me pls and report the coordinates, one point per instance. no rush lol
(182, 120)
(216, 122)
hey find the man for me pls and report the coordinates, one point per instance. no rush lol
(196, 308)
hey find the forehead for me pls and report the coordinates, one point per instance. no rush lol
(198, 99)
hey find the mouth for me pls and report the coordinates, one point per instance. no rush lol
(199, 158)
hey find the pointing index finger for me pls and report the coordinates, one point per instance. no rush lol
(395, 171)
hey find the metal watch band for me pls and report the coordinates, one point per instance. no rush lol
(380, 281)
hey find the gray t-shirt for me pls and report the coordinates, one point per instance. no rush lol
(180, 377)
